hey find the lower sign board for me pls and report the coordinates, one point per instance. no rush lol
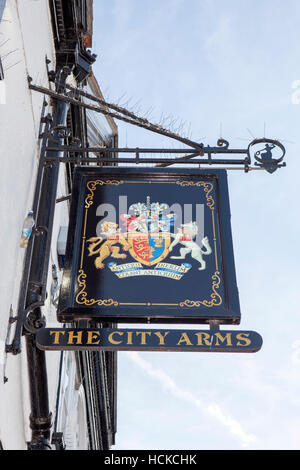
(107, 339)
(149, 247)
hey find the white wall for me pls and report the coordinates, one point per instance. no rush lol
(25, 40)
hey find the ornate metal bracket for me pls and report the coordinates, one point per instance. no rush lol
(266, 157)
(262, 155)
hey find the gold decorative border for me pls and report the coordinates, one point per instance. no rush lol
(215, 298)
(81, 296)
(91, 186)
(208, 187)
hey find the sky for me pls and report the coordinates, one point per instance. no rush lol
(217, 69)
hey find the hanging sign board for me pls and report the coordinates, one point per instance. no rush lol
(107, 339)
(149, 246)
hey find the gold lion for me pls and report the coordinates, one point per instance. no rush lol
(112, 236)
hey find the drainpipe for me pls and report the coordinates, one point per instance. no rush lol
(40, 416)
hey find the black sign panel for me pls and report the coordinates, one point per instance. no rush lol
(149, 246)
(148, 340)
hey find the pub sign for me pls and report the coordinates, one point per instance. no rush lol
(149, 245)
(110, 339)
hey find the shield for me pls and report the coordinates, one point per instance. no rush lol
(149, 248)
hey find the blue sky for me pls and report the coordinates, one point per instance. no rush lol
(221, 68)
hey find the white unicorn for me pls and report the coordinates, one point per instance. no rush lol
(185, 235)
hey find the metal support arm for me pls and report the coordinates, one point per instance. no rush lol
(33, 286)
(264, 156)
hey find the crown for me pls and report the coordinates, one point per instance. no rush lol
(152, 210)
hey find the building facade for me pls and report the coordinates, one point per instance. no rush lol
(53, 400)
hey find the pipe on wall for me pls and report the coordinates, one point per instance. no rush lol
(40, 416)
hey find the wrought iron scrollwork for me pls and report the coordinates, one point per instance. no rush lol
(264, 155)
(223, 143)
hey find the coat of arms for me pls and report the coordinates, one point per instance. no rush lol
(146, 236)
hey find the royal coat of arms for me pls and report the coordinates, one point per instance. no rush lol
(146, 236)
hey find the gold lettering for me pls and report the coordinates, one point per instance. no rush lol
(113, 341)
(143, 335)
(56, 335)
(206, 338)
(129, 337)
(240, 336)
(184, 339)
(161, 337)
(75, 336)
(227, 338)
(92, 335)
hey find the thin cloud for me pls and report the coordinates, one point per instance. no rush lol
(219, 35)
(212, 409)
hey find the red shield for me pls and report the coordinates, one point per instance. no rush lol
(150, 248)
